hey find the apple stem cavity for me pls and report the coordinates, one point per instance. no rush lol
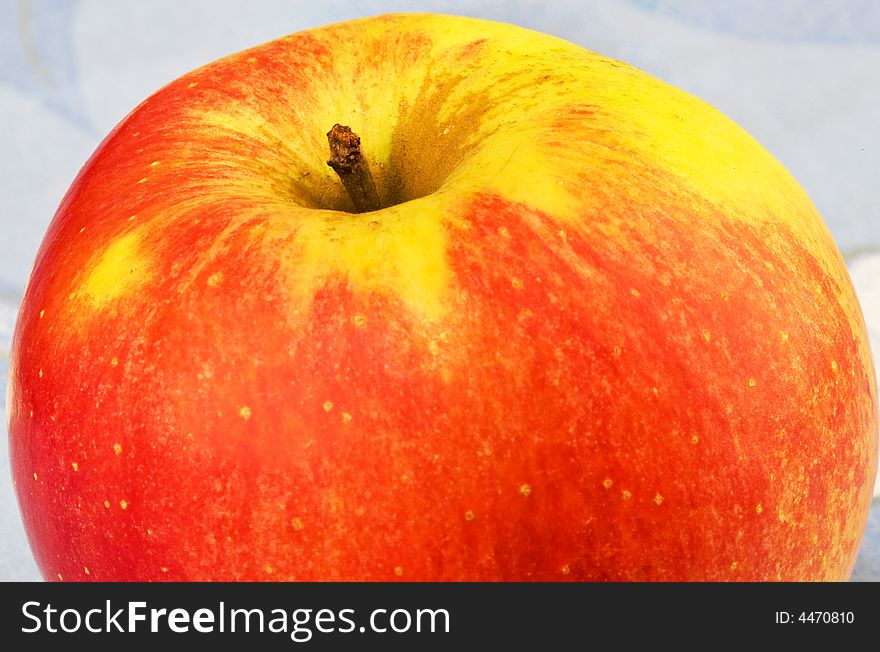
(349, 163)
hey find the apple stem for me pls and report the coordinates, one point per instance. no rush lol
(349, 163)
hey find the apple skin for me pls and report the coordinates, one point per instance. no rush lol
(597, 332)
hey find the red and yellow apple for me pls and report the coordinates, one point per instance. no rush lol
(593, 332)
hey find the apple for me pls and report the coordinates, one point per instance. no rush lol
(544, 318)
